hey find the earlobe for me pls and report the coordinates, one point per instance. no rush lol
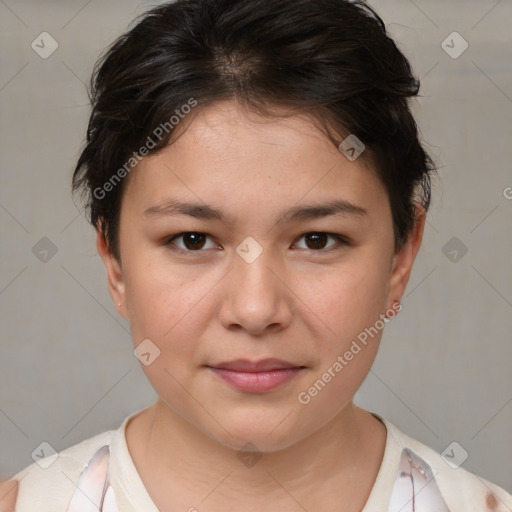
(115, 280)
(404, 259)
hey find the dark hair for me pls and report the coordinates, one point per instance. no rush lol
(331, 59)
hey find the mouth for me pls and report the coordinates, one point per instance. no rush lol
(256, 376)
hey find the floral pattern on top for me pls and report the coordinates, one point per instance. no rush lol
(94, 492)
(415, 488)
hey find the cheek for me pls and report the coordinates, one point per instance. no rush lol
(165, 305)
(167, 308)
(347, 299)
(349, 303)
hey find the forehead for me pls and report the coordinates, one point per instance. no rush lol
(220, 123)
(224, 148)
(225, 120)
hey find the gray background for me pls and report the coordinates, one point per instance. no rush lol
(443, 373)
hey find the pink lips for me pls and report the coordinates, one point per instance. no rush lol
(256, 376)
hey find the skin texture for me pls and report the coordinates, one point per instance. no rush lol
(295, 302)
(8, 494)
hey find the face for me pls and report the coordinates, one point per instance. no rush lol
(253, 239)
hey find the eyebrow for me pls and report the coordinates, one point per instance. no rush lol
(304, 212)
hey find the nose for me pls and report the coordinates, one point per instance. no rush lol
(255, 296)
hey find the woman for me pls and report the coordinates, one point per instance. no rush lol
(259, 192)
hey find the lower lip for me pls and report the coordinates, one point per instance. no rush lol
(257, 382)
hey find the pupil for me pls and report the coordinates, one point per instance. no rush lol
(317, 239)
(196, 238)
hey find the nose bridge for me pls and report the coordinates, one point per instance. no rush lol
(254, 271)
(257, 275)
(256, 296)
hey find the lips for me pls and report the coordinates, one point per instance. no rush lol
(264, 365)
(256, 376)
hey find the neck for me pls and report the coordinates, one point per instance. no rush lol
(180, 465)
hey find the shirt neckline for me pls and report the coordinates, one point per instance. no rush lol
(131, 492)
(380, 495)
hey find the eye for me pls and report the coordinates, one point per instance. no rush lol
(192, 241)
(316, 240)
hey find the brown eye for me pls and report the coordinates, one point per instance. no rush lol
(316, 241)
(192, 241)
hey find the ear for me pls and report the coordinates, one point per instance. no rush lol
(115, 279)
(403, 260)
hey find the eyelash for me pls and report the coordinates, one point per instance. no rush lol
(342, 241)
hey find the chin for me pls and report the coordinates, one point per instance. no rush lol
(257, 433)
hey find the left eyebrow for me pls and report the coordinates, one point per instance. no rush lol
(317, 211)
(302, 212)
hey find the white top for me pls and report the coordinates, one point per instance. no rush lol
(412, 478)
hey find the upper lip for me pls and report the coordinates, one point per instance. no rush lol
(264, 365)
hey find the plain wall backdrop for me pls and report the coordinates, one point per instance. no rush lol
(443, 373)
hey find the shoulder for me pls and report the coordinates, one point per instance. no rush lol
(461, 490)
(48, 484)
